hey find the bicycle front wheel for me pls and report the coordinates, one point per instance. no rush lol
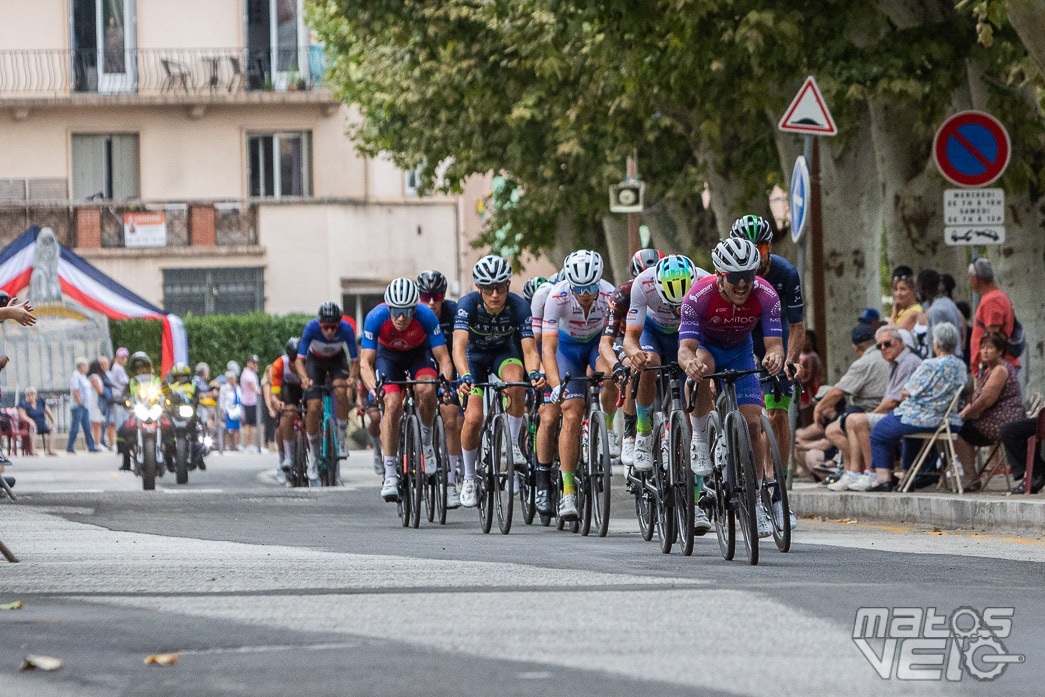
(415, 469)
(528, 490)
(742, 463)
(720, 509)
(504, 473)
(599, 473)
(683, 485)
(666, 528)
(484, 483)
(443, 466)
(402, 474)
(776, 488)
(299, 472)
(646, 510)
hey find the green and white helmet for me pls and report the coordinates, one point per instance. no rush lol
(674, 275)
(754, 228)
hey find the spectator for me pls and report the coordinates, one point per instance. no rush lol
(997, 401)
(268, 413)
(94, 405)
(119, 380)
(81, 393)
(855, 444)
(232, 367)
(994, 312)
(35, 411)
(966, 311)
(923, 402)
(871, 317)
(1014, 437)
(231, 408)
(250, 390)
(937, 307)
(865, 381)
(107, 405)
(812, 375)
(905, 304)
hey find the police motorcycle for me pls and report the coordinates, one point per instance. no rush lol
(142, 437)
(184, 447)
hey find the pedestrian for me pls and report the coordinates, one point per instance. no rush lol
(250, 390)
(231, 409)
(35, 410)
(268, 412)
(119, 380)
(905, 303)
(994, 312)
(94, 405)
(80, 394)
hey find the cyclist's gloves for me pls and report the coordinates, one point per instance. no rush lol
(535, 376)
(466, 379)
(620, 372)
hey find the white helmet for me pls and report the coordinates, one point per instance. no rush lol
(491, 269)
(583, 267)
(735, 254)
(402, 292)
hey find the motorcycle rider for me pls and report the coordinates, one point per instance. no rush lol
(181, 383)
(139, 369)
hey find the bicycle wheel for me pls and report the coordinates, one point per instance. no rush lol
(443, 460)
(330, 453)
(483, 481)
(299, 472)
(528, 492)
(721, 512)
(599, 473)
(504, 473)
(666, 528)
(402, 470)
(742, 462)
(776, 486)
(580, 481)
(415, 469)
(683, 485)
(646, 511)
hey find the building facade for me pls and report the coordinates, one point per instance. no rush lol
(192, 151)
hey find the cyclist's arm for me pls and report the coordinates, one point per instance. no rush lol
(461, 351)
(368, 357)
(606, 349)
(690, 361)
(442, 357)
(774, 358)
(795, 339)
(549, 345)
(299, 366)
(531, 360)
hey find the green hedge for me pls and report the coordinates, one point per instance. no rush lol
(215, 339)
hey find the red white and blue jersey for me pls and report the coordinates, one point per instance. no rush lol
(712, 320)
(314, 343)
(378, 329)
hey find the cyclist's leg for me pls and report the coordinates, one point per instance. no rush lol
(388, 366)
(317, 370)
(574, 359)
(422, 367)
(650, 341)
(778, 410)
(479, 364)
(340, 397)
(451, 414)
(510, 369)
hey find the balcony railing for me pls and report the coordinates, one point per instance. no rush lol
(159, 71)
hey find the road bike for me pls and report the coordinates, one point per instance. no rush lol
(329, 455)
(297, 476)
(495, 465)
(593, 472)
(528, 446)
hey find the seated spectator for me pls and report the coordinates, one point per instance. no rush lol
(35, 411)
(871, 317)
(855, 443)
(1014, 437)
(811, 449)
(996, 402)
(905, 304)
(923, 402)
(812, 376)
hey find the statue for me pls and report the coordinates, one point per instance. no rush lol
(43, 284)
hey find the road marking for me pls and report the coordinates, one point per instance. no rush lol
(192, 491)
(264, 649)
(914, 531)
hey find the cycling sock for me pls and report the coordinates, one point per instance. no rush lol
(544, 477)
(377, 446)
(454, 461)
(315, 444)
(289, 449)
(515, 425)
(568, 484)
(426, 434)
(390, 467)
(700, 423)
(469, 462)
(342, 428)
(642, 420)
(609, 419)
(629, 425)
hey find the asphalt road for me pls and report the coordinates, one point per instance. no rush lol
(263, 590)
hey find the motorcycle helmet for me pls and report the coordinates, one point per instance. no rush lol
(139, 364)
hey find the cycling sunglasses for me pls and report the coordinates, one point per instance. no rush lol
(398, 312)
(589, 289)
(494, 287)
(735, 277)
(329, 325)
(432, 298)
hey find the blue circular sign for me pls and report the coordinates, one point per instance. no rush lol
(799, 198)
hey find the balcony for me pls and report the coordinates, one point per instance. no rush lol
(163, 76)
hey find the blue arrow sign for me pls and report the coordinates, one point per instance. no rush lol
(799, 198)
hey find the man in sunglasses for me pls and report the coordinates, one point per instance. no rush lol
(779, 273)
(718, 317)
(400, 339)
(574, 318)
(321, 357)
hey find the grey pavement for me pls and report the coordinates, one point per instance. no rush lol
(266, 590)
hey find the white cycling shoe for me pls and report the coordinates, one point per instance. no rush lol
(778, 516)
(627, 451)
(700, 458)
(428, 455)
(453, 497)
(468, 498)
(765, 527)
(615, 445)
(390, 489)
(568, 507)
(517, 455)
(643, 458)
(701, 524)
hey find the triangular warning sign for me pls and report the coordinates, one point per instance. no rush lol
(808, 113)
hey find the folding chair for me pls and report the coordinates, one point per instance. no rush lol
(995, 463)
(1032, 451)
(944, 434)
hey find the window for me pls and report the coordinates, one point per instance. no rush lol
(279, 164)
(105, 165)
(413, 180)
(358, 302)
(225, 290)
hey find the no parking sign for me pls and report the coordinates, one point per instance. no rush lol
(971, 149)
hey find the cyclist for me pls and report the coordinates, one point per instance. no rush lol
(611, 348)
(432, 286)
(321, 356)
(401, 337)
(718, 317)
(286, 392)
(779, 273)
(549, 411)
(574, 318)
(531, 286)
(493, 334)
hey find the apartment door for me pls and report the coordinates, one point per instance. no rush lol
(104, 35)
(276, 41)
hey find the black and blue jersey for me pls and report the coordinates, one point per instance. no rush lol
(447, 317)
(788, 286)
(487, 331)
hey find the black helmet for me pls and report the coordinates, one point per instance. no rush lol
(531, 286)
(431, 282)
(644, 259)
(292, 345)
(5, 298)
(139, 363)
(752, 227)
(329, 312)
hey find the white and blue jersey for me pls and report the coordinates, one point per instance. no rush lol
(578, 332)
(313, 343)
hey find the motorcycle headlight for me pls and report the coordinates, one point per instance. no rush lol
(155, 411)
(141, 410)
(185, 411)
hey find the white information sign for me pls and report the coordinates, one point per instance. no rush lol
(973, 207)
(145, 229)
(974, 235)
